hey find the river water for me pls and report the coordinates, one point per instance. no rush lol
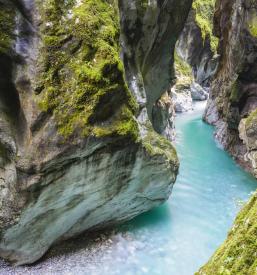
(178, 237)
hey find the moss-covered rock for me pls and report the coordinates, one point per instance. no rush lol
(81, 158)
(238, 254)
(204, 12)
(81, 43)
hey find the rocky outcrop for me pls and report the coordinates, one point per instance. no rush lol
(197, 45)
(238, 254)
(233, 92)
(78, 152)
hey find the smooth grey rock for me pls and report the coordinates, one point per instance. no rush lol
(182, 100)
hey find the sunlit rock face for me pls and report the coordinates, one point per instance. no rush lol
(77, 148)
(233, 96)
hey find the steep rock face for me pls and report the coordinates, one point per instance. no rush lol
(149, 31)
(196, 44)
(78, 152)
(238, 254)
(234, 90)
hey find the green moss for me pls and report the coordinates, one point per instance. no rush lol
(157, 145)
(183, 72)
(251, 119)
(238, 255)
(253, 25)
(7, 25)
(204, 12)
(82, 81)
(235, 92)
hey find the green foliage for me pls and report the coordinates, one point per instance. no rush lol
(82, 80)
(204, 10)
(157, 145)
(238, 255)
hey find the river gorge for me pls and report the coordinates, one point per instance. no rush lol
(128, 137)
(177, 237)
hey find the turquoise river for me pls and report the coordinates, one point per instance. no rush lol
(176, 238)
(179, 237)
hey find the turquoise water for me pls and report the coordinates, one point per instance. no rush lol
(181, 235)
(176, 238)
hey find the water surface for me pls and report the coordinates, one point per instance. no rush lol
(180, 236)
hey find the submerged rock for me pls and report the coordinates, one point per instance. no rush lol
(77, 151)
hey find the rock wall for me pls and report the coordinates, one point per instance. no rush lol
(234, 89)
(197, 45)
(232, 108)
(149, 31)
(78, 150)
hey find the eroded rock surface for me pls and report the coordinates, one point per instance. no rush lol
(149, 31)
(77, 148)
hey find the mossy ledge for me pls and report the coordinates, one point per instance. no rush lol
(82, 77)
(238, 255)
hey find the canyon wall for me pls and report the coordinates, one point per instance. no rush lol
(78, 149)
(233, 97)
(197, 45)
(232, 109)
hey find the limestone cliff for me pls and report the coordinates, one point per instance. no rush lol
(78, 150)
